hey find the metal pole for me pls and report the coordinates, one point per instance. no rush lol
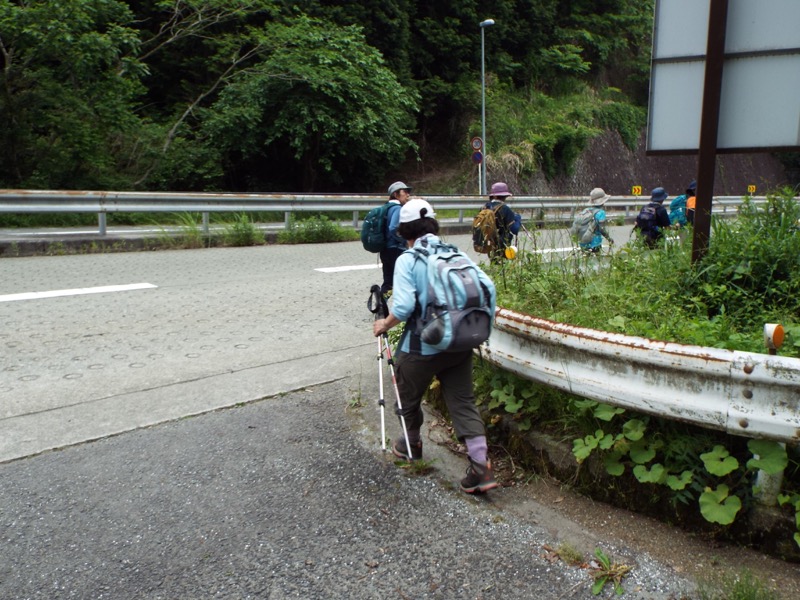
(483, 25)
(709, 128)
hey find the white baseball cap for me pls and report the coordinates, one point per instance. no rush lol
(414, 209)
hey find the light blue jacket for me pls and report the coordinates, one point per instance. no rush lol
(599, 231)
(410, 284)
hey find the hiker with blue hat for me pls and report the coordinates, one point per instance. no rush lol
(653, 218)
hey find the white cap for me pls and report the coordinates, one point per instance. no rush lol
(414, 209)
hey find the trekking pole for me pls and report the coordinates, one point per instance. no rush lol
(390, 362)
(373, 305)
(377, 305)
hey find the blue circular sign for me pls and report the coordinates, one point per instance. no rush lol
(477, 157)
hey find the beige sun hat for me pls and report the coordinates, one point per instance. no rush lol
(598, 197)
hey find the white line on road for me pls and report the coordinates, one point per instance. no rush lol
(351, 268)
(76, 292)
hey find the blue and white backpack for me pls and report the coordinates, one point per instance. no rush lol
(461, 297)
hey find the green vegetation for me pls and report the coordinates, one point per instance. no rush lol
(604, 571)
(741, 587)
(311, 95)
(242, 232)
(750, 276)
(315, 230)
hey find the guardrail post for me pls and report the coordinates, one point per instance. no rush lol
(355, 219)
(767, 487)
(287, 217)
(101, 223)
(205, 224)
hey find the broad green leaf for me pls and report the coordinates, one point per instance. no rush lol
(656, 474)
(613, 464)
(606, 412)
(717, 507)
(581, 450)
(772, 457)
(641, 452)
(719, 462)
(617, 323)
(606, 441)
(634, 429)
(679, 482)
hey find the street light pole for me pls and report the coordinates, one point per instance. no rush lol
(483, 25)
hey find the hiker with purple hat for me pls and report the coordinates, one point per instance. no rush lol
(506, 223)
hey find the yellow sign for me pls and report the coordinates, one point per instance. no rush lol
(751, 189)
(636, 190)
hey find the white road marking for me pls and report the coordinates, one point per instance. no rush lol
(76, 292)
(351, 268)
(552, 250)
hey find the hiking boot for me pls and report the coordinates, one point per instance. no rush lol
(479, 478)
(400, 450)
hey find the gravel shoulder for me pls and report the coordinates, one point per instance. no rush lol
(583, 524)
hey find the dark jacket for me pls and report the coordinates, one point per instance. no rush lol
(508, 222)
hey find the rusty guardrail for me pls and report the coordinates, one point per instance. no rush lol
(741, 393)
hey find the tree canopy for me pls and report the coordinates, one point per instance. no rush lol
(300, 95)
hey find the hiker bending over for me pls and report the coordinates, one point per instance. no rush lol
(418, 362)
(679, 207)
(653, 218)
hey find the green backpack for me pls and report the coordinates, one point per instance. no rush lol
(373, 231)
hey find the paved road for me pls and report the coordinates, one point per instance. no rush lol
(286, 494)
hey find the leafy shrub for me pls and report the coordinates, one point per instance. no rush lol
(315, 230)
(752, 267)
(242, 232)
(750, 276)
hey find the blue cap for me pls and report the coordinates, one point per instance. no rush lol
(658, 194)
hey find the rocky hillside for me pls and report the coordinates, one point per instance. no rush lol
(609, 164)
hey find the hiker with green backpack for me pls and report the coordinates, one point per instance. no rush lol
(379, 232)
(589, 225)
(448, 305)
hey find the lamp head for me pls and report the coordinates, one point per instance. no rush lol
(486, 23)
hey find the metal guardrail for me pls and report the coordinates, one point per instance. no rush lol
(550, 208)
(741, 393)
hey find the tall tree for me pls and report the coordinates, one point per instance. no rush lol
(68, 85)
(320, 105)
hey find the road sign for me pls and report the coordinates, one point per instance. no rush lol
(636, 190)
(751, 189)
(476, 143)
(477, 157)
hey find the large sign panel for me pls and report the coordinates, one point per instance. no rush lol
(760, 102)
